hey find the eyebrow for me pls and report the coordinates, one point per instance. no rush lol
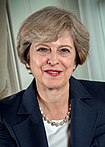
(47, 45)
(69, 46)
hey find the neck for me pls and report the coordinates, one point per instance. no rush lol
(54, 102)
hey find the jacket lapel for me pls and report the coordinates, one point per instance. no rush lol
(30, 131)
(83, 116)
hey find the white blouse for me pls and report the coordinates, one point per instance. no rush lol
(57, 136)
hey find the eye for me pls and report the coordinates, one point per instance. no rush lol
(43, 50)
(64, 51)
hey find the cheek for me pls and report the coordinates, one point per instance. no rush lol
(70, 63)
(36, 61)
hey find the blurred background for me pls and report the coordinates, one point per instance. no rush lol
(13, 74)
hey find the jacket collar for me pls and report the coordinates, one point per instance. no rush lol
(29, 99)
(77, 90)
(83, 116)
(30, 132)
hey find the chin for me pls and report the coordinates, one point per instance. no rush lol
(53, 85)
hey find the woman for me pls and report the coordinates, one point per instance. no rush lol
(56, 110)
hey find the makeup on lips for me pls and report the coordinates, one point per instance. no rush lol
(53, 73)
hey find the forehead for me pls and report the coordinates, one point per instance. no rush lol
(63, 39)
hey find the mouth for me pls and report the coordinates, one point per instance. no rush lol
(53, 72)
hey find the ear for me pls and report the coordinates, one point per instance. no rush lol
(27, 66)
(74, 67)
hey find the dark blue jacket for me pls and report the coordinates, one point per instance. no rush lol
(21, 123)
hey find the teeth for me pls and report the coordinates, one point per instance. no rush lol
(54, 72)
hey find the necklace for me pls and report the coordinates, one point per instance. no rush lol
(55, 123)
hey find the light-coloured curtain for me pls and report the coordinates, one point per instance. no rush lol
(92, 13)
(3, 51)
(9, 82)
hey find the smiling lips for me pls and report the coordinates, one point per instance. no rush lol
(53, 72)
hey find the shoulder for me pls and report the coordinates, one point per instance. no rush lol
(11, 102)
(93, 85)
(95, 88)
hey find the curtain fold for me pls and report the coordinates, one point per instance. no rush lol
(3, 51)
(92, 13)
(9, 82)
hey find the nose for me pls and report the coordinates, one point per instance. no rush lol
(53, 58)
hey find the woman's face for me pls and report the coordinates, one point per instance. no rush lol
(52, 63)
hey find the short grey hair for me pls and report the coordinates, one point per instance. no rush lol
(47, 25)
